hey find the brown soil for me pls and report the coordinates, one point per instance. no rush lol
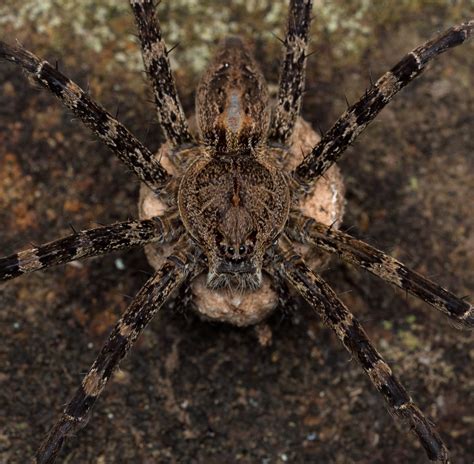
(195, 392)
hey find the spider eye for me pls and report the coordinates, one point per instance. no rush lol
(230, 250)
(242, 249)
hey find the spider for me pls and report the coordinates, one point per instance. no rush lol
(234, 213)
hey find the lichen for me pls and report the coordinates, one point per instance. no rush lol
(346, 25)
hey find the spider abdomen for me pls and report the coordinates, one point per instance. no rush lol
(232, 101)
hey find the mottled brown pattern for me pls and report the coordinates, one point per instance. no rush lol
(234, 207)
(335, 314)
(157, 65)
(358, 116)
(232, 101)
(292, 74)
(123, 144)
(91, 242)
(145, 305)
(232, 203)
(381, 265)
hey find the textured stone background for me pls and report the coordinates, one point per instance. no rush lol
(193, 392)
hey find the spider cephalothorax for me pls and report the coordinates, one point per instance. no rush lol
(237, 205)
(234, 205)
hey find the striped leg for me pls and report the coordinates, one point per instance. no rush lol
(323, 299)
(358, 116)
(87, 243)
(291, 86)
(125, 146)
(157, 65)
(148, 301)
(306, 230)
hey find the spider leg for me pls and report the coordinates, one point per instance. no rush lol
(157, 65)
(125, 146)
(335, 314)
(307, 230)
(90, 242)
(291, 85)
(151, 297)
(358, 116)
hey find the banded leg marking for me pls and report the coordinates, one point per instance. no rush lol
(87, 243)
(292, 74)
(358, 116)
(306, 230)
(335, 314)
(157, 65)
(125, 146)
(145, 305)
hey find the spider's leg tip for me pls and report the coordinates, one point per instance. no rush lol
(468, 319)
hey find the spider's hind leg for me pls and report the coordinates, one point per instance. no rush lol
(292, 74)
(157, 65)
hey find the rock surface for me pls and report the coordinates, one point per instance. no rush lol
(197, 392)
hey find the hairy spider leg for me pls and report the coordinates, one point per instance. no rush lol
(157, 65)
(179, 266)
(91, 242)
(358, 116)
(354, 251)
(342, 322)
(124, 145)
(292, 73)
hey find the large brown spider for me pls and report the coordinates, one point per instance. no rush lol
(232, 215)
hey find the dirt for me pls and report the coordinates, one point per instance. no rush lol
(196, 392)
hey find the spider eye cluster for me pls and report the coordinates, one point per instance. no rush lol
(235, 251)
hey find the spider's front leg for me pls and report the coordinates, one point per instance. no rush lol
(124, 144)
(179, 266)
(291, 85)
(157, 65)
(358, 116)
(307, 230)
(335, 314)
